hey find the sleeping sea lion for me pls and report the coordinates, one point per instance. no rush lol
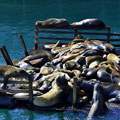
(55, 95)
(90, 59)
(89, 23)
(53, 22)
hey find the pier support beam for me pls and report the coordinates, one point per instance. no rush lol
(74, 91)
(6, 55)
(23, 44)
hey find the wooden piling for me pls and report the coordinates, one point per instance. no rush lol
(74, 91)
(23, 44)
(36, 39)
(75, 33)
(30, 91)
(6, 55)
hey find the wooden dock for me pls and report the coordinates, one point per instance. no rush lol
(40, 40)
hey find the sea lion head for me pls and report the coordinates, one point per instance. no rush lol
(88, 85)
(61, 81)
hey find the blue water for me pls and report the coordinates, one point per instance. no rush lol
(19, 16)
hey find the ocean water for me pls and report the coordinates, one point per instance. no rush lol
(19, 17)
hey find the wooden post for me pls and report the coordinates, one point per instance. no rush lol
(6, 55)
(30, 91)
(76, 32)
(108, 36)
(74, 91)
(36, 35)
(23, 44)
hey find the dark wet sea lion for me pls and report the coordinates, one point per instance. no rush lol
(92, 73)
(110, 91)
(91, 52)
(89, 23)
(98, 106)
(38, 62)
(89, 44)
(104, 74)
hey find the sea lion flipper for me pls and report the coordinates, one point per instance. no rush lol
(115, 100)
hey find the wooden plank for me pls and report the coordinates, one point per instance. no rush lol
(70, 32)
(53, 38)
(71, 28)
(114, 40)
(23, 44)
(56, 32)
(14, 90)
(115, 34)
(116, 45)
(15, 82)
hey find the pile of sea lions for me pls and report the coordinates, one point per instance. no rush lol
(94, 63)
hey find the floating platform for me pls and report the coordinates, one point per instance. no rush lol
(38, 47)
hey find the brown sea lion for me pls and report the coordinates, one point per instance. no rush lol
(55, 95)
(90, 59)
(112, 58)
(53, 22)
(8, 71)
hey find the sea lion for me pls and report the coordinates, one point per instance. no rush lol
(53, 22)
(50, 46)
(26, 95)
(69, 57)
(92, 52)
(92, 72)
(89, 23)
(112, 58)
(98, 106)
(38, 62)
(94, 64)
(48, 79)
(33, 57)
(110, 91)
(104, 74)
(8, 71)
(70, 65)
(48, 68)
(91, 45)
(90, 59)
(55, 95)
